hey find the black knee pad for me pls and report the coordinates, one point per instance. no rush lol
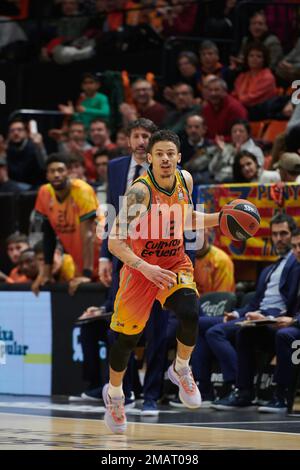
(121, 350)
(184, 303)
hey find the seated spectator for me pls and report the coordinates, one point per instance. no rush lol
(63, 268)
(180, 18)
(210, 61)
(221, 165)
(121, 142)
(188, 67)
(288, 168)
(220, 110)
(15, 244)
(143, 104)
(193, 138)
(257, 84)
(101, 159)
(70, 43)
(99, 136)
(256, 88)
(74, 140)
(213, 268)
(288, 141)
(246, 169)
(184, 106)
(26, 156)
(274, 339)
(77, 168)
(28, 265)
(259, 31)
(276, 293)
(196, 150)
(204, 91)
(6, 185)
(187, 72)
(289, 67)
(90, 104)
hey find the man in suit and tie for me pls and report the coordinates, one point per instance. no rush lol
(276, 293)
(277, 339)
(121, 173)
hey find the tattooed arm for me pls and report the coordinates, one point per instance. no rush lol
(135, 204)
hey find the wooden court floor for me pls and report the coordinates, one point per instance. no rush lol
(35, 429)
(45, 432)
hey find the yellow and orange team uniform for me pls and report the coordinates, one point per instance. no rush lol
(65, 216)
(158, 240)
(67, 269)
(16, 277)
(214, 272)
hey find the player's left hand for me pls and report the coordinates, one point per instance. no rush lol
(75, 283)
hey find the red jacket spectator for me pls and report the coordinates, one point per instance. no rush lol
(251, 89)
(221, 110)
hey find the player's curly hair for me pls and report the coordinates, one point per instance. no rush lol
(58, 157)
(163, 136)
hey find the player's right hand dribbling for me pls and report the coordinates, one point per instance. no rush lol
(162, 278)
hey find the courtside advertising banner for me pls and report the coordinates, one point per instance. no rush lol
(25, 337)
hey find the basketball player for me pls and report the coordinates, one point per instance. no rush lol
(155, 267)
(68, 208)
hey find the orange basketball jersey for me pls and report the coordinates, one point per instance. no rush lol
(157, 237)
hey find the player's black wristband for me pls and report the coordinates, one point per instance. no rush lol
(87, 273)
(49, 242)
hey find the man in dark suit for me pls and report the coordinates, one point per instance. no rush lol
(276, 293)
(121, 173)
(279, 341)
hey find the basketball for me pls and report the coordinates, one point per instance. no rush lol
(239, 220)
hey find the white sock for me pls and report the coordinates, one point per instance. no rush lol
(181, 363)
(115, 392)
